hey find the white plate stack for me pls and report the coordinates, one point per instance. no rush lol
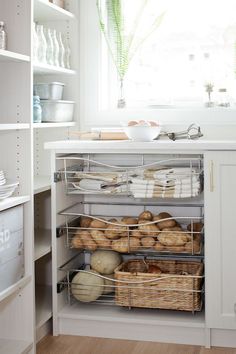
(6, 188)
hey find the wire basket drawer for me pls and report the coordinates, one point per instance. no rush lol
(116, 235)
(172, 177)
(177, 287)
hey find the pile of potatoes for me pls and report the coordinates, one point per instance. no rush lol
(161, 233)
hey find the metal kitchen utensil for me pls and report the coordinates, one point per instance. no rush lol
(192, 132)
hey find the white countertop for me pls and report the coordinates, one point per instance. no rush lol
(119, 146)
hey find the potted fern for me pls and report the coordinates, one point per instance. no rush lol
(123, 44)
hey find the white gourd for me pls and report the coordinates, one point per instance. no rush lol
(87, 287)
(105, 262)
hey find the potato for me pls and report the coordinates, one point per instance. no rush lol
(195, 226)
(113, 220)
(159, 247)
(165, 215)
(100, 239)
(120, 245)
(134, 244)
(173, 239)
(97, 224)
(148, 241)
(165, 223)
(128, 220)
(136, 233)
(85, 221)
(86, 239)
(175, 249)
(148, 229)
(145, 215)
(76, 241)
(125, 245)
(196, 237)
(192, 247)
(113, 232)
(154, 269)
(175, 228)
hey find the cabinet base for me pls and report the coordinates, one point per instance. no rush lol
(142, 325)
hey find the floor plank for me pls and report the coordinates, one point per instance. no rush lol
(89, 345)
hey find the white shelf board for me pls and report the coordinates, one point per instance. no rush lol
(17, 126)
(13, 201)
(41, 184)
(15, 287)
(7, 56)
(54, 125)
(12, 346)
(50, 69)
(43, 304)
(135, 316)
(42, 243)
(46, 11)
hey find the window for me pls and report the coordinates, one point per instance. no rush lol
(192, 53)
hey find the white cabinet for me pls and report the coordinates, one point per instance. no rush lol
(220, 241)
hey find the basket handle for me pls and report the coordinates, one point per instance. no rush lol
(139, 282)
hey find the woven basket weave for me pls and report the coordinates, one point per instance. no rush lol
(178, 287)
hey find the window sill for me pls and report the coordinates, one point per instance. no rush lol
(167, 116)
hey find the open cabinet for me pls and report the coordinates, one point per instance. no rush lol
(125, 312)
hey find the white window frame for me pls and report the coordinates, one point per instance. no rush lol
(91, 116)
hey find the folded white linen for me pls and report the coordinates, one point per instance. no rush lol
(164, 195)
(179, 189)
(108, 177)
(169, 173)
(88, 184)
(187, 181)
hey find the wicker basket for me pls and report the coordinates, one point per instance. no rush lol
(178, 287)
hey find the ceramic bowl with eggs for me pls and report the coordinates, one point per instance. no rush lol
(142, 130)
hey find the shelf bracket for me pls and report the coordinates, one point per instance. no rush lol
(64, 283)
(61, 230)
(57, 177)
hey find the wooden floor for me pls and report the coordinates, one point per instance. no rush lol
(88, 345)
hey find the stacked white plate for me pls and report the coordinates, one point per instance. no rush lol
(7, 188)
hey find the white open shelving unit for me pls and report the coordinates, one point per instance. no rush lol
(54, 125)
(15, 346)
(16, 145)
(13, 201)
(43, 305)
(40, 69)
(17, 126)
(64, 20)
(41, 184)
(22, 139)
(8, 56)
(15, 287)
(42, 243)
(46, 11)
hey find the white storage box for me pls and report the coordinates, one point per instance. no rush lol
(57, 111)
(49, 91)
(11, 247)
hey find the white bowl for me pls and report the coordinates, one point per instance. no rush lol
(142, 132)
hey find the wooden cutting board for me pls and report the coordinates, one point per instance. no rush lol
(100, 135)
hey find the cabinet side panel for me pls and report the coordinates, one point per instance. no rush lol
(220, 240)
